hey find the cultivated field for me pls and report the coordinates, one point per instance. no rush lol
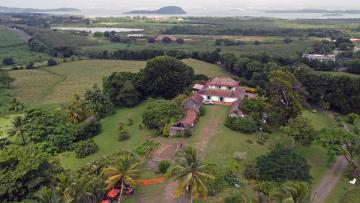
(58, 84)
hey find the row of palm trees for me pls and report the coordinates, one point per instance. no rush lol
(189, 173)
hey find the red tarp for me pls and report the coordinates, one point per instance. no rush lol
(113, 193)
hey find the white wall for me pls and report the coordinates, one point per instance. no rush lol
(228, 99)
(217, 99)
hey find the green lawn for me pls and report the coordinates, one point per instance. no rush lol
(201, 67)
(107, 140)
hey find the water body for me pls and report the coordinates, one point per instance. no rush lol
(98, 29)
(215, 13)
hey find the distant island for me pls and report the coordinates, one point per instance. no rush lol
(315, 11)
(34, 10)
(168, 10)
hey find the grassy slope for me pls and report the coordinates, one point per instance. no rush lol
(58, 84)
(11, 45)
(335, 73)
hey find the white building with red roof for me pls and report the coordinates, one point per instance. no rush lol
(222, 91)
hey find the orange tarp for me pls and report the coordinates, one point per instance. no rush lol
(151, 181)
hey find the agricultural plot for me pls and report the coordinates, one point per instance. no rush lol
(58, 84)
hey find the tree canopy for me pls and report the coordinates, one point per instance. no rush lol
(166, 77)
(282, 164)
(24, 170)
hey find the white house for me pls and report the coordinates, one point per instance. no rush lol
(222, 91)
(319, 57)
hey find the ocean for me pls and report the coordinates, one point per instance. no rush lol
(215, 13)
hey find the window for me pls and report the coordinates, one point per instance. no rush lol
(230, 88)
(208, 98)
(219, 87)
(221, 99)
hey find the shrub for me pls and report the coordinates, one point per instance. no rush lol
(238, 198)
(351, 117)
(30, 65)
(164, 166)
(180, 41)
(87, 129)
(85, 148)
(123, 135)
(202, 111)
(251, 171)
(282, 164)
(146, 147)
(151, 40)
(52, 62)
(245, 125)
(8, 61)
(187, 133)
(98, 34)
(166, 40)
(130, 122)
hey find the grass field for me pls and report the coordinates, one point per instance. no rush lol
(4, 125)
(11, 45)
(58, 84)
(107, 140)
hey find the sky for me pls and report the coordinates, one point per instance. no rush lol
(187, 4)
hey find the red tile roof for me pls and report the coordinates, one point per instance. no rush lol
(223, 82)
(197, 98)
(189, 118)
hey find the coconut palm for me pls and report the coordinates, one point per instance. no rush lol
(48, 195)
(123, 172)
(190, 174)
(291, 192)
(17, 128)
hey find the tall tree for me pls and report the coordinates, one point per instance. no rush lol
(124, 172)
(301, 129)
(17, 128)
(285, 94)
(166, 77)
(24, 170)
(190, 173)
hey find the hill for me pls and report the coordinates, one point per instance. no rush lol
(164, 10)
(33, 10)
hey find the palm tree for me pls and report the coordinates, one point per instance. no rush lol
(190, 174)
(48, 195)
(291, 192)
(123, 172)
(77, 110)
(17, 128)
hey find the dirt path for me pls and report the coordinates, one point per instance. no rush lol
(331, 178)
(207, 133)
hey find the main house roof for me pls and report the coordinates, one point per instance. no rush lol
(223, 82)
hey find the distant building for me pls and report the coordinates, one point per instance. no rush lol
(319, 57)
